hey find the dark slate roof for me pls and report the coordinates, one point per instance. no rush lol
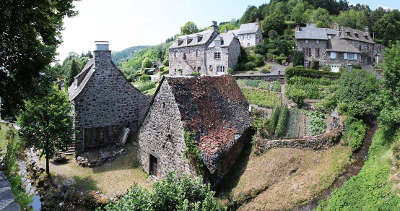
(311, 32)
(193, 39)
(249, 28)
(83, 76)
(227, 37)
(351, 34)
(339, 45)
(209, 108)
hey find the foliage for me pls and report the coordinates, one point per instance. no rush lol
(328, 104)
(275, 22)
(266, 69)
(353, 18)
(305, 72)
(298, 13)
(387, 27)
(171, 193)
(298, 58)
(273, 121)
(227, 26)
(261, 98)
(321, 18)
(371, 188)
(46, 123)
(189, 28)
(250, 15)
(144, 85)
(72, 73)
(355, 131)
(120, 56)
(297, 95)
(317, 123)
(281, 126)
(276, 86)
(11, 168)
(195, 74)
(357, 93)
(29, 36)
(192, 153)
(146, 63)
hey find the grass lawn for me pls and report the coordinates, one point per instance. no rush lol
(262, 98)
(110, 178)
(264, 182)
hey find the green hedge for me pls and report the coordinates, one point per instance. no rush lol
(355, 131)
(274, 120)
(282, 122)
(305, 72)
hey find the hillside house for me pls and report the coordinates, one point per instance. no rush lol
(249, 34)
(336, 47)
(207, 52)
(213, 109)
(104, 102)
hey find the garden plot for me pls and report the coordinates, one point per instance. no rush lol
(260, 84)
(295, 127)
(262, 98)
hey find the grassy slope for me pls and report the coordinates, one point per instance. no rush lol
(370, 189)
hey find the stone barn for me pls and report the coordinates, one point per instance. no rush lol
(212, 109)
(106, 106)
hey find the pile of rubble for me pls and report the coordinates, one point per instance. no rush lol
(98, 157)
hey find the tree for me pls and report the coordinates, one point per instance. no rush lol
(72, 73)
(273, 22)
(357, 93)
(250, 15)
(353, 19)
(171, 193)
(189, 28)
(321, 17)
(46, 123)
(387, 28)
(146, 63)
(298, 58)
(298, 12)
(29, 36)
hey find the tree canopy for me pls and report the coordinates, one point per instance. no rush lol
(189, 28)
(29, 35)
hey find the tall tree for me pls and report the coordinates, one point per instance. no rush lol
(189, 28)
(274, 22)
(29, 35)
(72, 73)
(250, 15)
(353, 19)
(46, 123)
(387, 28)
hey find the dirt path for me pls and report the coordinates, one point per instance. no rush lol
(352, 170)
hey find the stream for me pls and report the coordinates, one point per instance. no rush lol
(359, 158)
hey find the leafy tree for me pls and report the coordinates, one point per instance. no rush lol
(274, 22)
(333, 6)
(387, 28)
(46, 123)
(29, 36)
(250, 15)
(358, 93)
(321, 17)
(72, 73)
(172, 193)
(353, 19)
(298, 58)
(146, 63)
(189, 28)
(298, 12)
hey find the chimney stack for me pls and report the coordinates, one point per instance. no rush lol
(102, 50)
(214, 26)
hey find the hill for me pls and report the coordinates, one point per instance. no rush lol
(121, 56)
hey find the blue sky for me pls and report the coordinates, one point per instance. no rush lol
(126, 23)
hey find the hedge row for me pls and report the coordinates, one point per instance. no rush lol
(305, 72)
(282, 122)
(274, 120)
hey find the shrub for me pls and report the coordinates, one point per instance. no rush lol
(195, 74)
(282, 122)
(273, 121)
(317, 123)
(230, 71)
(249, 65)
(276, 86)
(298, 58)
(297, 95)
(192, 153)
(258, 60)
(305, 72)
(144, 86)
(266, 69)
(355, 131)
(327, 104)
(144, 77)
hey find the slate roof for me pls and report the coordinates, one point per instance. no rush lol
(227, 37)
(184, 41)
(209, 107)
(83, 77)
(311, 32)
(340, 45)
(249, 28)
(351, 34)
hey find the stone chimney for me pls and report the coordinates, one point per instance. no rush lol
(102, 50)
(214, 26)
(367, 29)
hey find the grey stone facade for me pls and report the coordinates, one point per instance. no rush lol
(249, 34)
(213, 109)
(104, 103)
(207, 52)
(338, 47)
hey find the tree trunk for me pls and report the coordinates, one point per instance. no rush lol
(47, 166)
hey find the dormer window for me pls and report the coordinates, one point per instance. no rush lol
(184, 56)
(189, 40)
(366, 37)
(199, 38)
(348, 34)
(180, 42)
(222, 42)
(356, 35)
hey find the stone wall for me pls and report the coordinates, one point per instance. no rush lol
(315, 143)
(212, 63)
(162, 136)
(108, 100)
(301, 45)
(195, 60)
(250, 40)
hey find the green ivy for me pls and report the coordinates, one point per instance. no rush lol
(192, 153)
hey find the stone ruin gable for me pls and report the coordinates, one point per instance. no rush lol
(106, 103)
(313, 44)
(162, 135)
(215, 110)
(195, 60)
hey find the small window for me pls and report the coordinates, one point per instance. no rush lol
(222, 42)
(210, 68)
(199, 38)
(184, 56)
(356, 35)
(189, 40)
(348, 34)
(317, 52)
(197, 52)
(175, 54)
(217, 55)
(366, 37)
(163, 105)
(180, 42)
(333, 55)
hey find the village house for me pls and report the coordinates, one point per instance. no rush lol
(338, 47)
(212, 109)
(249, 34)
(106, 106)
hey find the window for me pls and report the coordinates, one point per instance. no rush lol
(317, 52)
(356, 35)
(184, 56)
(348, 34)
(175, 54)
(217, 55)
(180, 42)
(210, 68)
(220, 69)
(199, 38)
(309, 52)
(197, 52)
(366, 37)
(359, 48)
(189, 40)
(222, 42)
(333, 55)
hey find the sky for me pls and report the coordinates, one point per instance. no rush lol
(126, 23)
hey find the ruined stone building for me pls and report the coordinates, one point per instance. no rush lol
(338, 47)
(104, 102)
(212, 109)
(206, 52)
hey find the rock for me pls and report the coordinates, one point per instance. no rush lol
(292, 170)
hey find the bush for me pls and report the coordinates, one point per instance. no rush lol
(276, 86)
(305, 72)
(298, 58)
(249, 65)
(297, 95)
(273, 121)
(144, 86)
(317, 123)
(282, 122)
(195, 74)
(266, 69)
(171, 193)
(144, 77)
(355, 131)
(327, 104)
(258, 60)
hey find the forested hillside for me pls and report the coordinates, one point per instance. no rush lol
(121, 56)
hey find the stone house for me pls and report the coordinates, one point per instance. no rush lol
(207, 52)
(336, 47)
(104, 102)
(213, 109)
(249, 34)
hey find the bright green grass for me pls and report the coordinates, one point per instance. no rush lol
(370, 189)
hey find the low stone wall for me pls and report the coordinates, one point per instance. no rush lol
(316, 142)
(266, 77)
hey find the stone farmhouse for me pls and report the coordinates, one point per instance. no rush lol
(105, 104)
(336, 47)
(212, 109)
(209, 52)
